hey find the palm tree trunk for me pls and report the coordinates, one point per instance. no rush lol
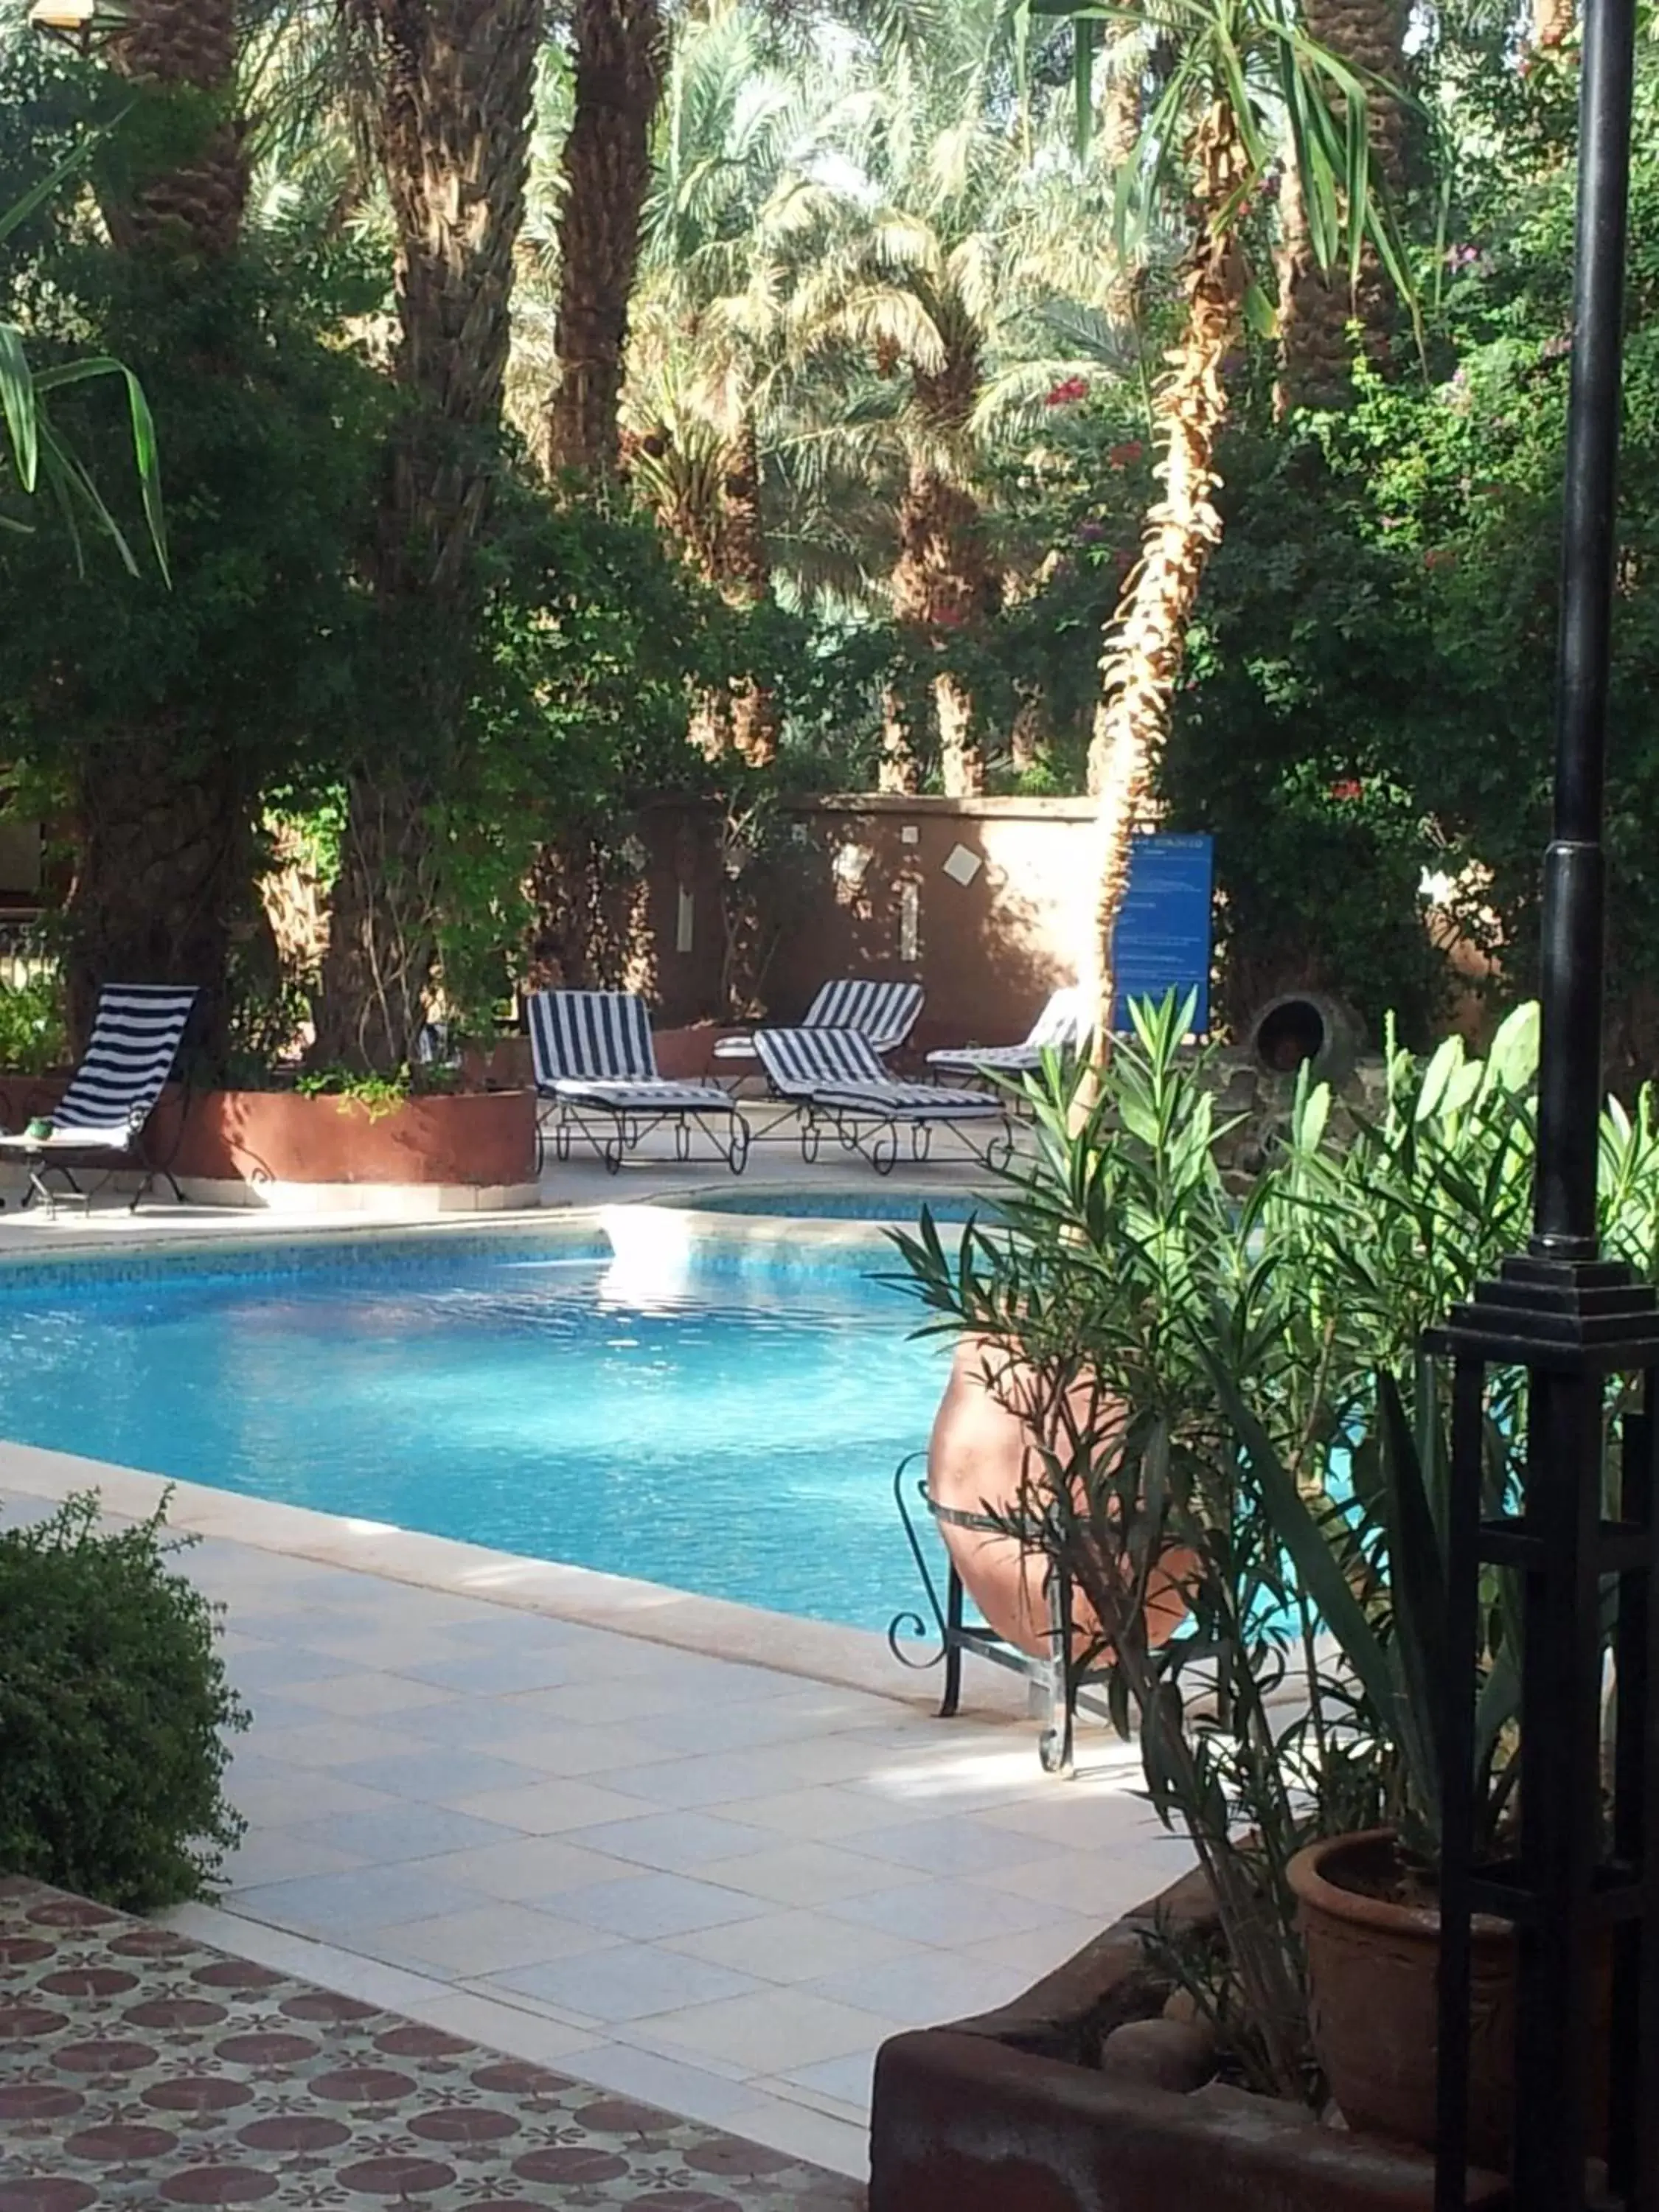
(163, 869)
(898, 772)
(961, 762)
(1029, 726)
(943, 584)
(941, 588)
(1315, 305)
(1147, 636)
(163, 874)
(746, 582)
(621, 51)
(181, 47)
(451, 120)
(1552, 22)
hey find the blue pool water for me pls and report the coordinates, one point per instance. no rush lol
(731, 1432)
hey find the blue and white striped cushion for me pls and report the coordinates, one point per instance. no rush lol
(1064, 1026)
(623, 1095)
(839, 1067)
(883, 1011)
(135, 1041)
(606, 1034)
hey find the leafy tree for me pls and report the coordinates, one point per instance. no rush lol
(450, 118)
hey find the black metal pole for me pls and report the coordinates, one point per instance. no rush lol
(1577, 1897)
(1570, 1066)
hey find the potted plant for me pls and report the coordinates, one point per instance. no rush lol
(1254, 1394)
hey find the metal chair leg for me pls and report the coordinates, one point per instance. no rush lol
(954, 1600)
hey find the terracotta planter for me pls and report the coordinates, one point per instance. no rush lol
(980, 1457)
(1373, 1970)
(486, 1138)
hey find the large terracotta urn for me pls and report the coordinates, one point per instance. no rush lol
(981, 1458)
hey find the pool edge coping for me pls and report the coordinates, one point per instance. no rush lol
(828, 1652)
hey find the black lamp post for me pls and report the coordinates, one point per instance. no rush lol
(1583, 1889)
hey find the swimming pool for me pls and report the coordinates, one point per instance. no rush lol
(731, 1432)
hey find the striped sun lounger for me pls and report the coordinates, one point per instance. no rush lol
(1064, 1026)
(886, 1012)
(835, 1078)
(596, 1076)
(100, 1119)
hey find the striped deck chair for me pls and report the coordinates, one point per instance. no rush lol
(596, 1075)
(100, 1118)
(885, 1012)
(1064, 1026)
(836, 1079)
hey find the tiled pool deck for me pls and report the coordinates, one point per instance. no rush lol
(685, 1852)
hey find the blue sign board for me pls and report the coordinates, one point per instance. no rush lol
(1163, 937)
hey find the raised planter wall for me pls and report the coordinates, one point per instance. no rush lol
(1006, 2113)
(485, 1138)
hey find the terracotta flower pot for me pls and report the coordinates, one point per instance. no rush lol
(1373, 1966)
(980, 1459)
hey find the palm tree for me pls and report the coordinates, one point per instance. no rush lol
(162, 823)
(734, 193)
(450, 120)
(1248, 89)
(620, 54)
(1317, 304)
(955, 223)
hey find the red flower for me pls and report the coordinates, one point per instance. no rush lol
(1347, 787)
(1120, 456)
(1070, 388)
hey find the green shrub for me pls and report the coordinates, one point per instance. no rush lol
(33, 1040)
(113, 1711)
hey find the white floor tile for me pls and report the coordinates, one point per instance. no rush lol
(675, 1842)
(772, 2030)
(552, 1807)
(795, 1946)
(487, 1939)
(799, 1874)
(646, 1907)
(624, 1982)
(527, 1867)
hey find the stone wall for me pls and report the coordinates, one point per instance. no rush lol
(986, 901)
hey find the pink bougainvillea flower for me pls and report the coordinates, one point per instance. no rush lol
(1346, 787)
(1068, 389)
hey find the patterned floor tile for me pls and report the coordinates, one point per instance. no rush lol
(141, 2069)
